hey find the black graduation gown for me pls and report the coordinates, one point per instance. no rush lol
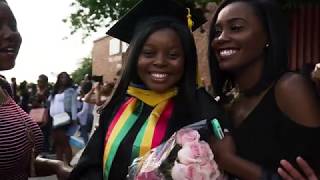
(90, 165)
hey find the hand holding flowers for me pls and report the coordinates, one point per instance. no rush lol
(183, 157)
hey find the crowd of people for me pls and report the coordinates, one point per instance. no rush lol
(270, 116)
(61, 96)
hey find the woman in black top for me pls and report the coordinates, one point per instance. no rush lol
(275, 113)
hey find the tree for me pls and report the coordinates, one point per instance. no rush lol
(93, 14)
(85, 68)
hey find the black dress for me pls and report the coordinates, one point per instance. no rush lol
(267, 136)
(90, 165)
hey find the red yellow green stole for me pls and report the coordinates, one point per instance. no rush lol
(152, 131)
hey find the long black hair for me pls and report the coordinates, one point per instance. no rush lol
(276, 61)
(186, 86)
(58, 85)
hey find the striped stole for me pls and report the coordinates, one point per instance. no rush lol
(152, 131)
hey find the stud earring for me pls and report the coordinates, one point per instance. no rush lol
(267, 45)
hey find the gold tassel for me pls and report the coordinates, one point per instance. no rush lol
(190, 24)
(189, 19)
(199, 79)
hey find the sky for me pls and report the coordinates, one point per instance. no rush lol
(47, 46)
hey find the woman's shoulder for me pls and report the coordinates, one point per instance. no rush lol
(296, 97)
(291, 77)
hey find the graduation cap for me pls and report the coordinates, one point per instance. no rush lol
(144, 9)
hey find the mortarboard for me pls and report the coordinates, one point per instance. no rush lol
(144, 9)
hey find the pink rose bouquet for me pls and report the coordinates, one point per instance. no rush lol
(183, 157)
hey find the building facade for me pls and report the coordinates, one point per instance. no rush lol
(107, 57)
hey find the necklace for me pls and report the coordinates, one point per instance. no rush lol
(234, 95)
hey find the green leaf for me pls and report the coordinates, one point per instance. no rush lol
(84, 68)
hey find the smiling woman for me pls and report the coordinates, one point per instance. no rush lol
(275, 113)
(20, 136)
(161, 62)
(157, 94)
(238, 40)
(10, 38)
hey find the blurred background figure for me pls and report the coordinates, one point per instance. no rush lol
(85, 115)
(63, 99)
(42, 92)
(24, 96)
(87, 78)
(40, 100)
(99, 93)
(14, 88)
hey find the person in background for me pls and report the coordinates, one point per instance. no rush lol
(40, 100)
(14, 88)
(87, 78)
(99, 93)
(32, 89)
(24, 96)
(20, 137)
(85, 115)
(274, 113)
(42, 93)
(63, 100)
(157, 93)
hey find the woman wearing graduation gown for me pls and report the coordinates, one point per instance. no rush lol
(157, 94)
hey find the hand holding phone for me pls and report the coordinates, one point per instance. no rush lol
(217, 130)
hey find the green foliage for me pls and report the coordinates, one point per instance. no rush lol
(91, 15)
(85, 68)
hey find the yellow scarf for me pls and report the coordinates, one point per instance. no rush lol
(150, 97)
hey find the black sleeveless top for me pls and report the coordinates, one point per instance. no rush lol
(267, 135)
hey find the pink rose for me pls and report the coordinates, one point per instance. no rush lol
(210, 170)
(195, 172)
(195, 152)
(185, 172)
(151, 175)
(187, 135)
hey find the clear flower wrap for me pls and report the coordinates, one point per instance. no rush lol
(184, 156)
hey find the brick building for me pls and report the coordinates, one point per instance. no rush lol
(107, 57)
